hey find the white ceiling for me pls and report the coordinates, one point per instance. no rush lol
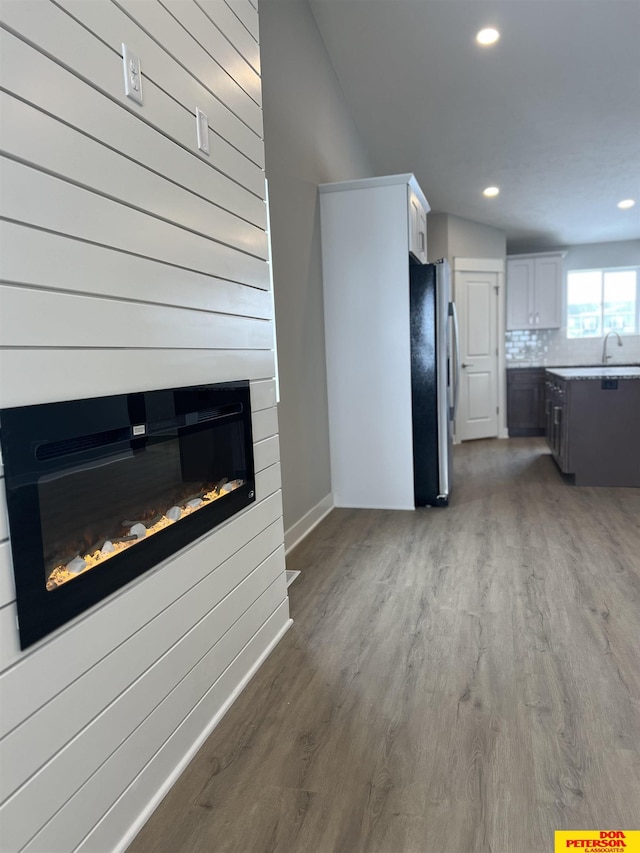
(550, 114)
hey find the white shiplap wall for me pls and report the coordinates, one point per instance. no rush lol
(130, 261)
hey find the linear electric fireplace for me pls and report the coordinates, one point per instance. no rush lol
(101, 490)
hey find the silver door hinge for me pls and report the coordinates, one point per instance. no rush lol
(497, 410)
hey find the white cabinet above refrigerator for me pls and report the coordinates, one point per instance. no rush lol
(367, 235)
(418, 226)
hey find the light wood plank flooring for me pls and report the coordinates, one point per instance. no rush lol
(461, 680)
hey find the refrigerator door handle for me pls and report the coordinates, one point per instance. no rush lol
(456, 348)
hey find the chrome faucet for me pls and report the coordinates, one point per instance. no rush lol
(606, 357)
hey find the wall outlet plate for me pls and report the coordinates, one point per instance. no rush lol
(202, 131)
(132, 75)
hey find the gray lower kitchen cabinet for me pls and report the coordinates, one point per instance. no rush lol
(526, 401)
(592, 428)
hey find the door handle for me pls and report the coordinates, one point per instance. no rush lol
(456, 348)
(466, 364)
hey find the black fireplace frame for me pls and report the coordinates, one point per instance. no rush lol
(23, 430)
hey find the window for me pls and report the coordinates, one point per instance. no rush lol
(601, 301)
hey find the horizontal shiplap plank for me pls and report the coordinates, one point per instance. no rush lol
(265, 423)
(80, 159)
(42, 794)
(43, 734)
(31, 196)
(244, 11)
(33, 318)
(54, 663)
(242, 33)
(38, 80)
(175, 724)
(266, 453)
(47, 260)
(157, 21)
(58, 34)
(268, 481)
(263, 395)
(218, 45)
(69, 374)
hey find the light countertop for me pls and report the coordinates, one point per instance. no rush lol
(602, 372)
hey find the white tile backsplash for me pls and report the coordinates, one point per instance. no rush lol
(551, 348)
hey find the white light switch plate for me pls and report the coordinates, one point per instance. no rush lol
(202, 131)
(132, 75)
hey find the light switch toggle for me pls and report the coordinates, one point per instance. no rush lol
(132, 75)
(202, 131)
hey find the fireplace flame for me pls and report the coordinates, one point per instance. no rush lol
(82, 563)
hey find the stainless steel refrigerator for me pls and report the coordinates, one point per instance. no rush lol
(435, 377)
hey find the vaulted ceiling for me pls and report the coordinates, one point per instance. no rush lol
(550, 114)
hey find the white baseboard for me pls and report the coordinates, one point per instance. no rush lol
(362, 505)
(291, 576)
(297, 532)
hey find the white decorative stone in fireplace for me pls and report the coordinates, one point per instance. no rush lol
(131, 262)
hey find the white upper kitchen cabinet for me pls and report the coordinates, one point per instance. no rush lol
(367, 234)
(417, 227)
(534, 291)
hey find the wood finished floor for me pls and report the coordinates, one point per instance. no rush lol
(461, 680)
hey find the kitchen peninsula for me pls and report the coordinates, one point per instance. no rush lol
(592, 424)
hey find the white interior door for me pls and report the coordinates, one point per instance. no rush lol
(476, 296)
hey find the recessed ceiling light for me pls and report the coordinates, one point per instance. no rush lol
(626, 203)
(487, 36)
(490, 192)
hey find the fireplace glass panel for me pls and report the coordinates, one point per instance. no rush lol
(91, 512)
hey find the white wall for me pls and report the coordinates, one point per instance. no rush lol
(130, 261)
(437, 236)
(310, 138)
(469, 239)
(594, 255)
(453, 237)
(551, 347)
